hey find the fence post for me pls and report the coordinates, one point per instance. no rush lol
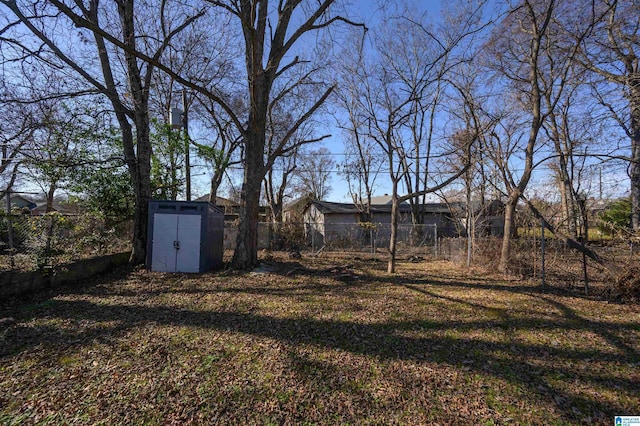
(532, 229)
(372, 242)
(542, 248)
(10, 229)
(585, 274)
(469, 243)
(435, 234)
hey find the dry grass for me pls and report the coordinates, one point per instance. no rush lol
(323, 341)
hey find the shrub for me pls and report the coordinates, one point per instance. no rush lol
(616, 218)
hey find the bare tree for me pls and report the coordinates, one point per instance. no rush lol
(223, 141)
(313, 173)
(277, 181)
(292, 164)
(363, 161)
(205, 52)
(474, 125)
(361, 167)
(517, 46)
(277, 185)
(394, 95)
(563, 86)
(271, 35)
(612, 51)
(126, 88)
(16, 132)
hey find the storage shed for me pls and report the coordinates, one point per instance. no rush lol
(184, 236)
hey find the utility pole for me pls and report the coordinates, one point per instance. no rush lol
(600, 179)
(187, 161)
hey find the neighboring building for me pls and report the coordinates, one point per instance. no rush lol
(328, 222)
(490, 219)
(38, 206)
(60, 205)
(293, 212)
(383, 199)
(18, 202)
(232, 209)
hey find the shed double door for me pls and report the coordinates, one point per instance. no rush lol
(176, 243)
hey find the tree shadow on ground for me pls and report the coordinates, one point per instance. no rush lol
(527, 364)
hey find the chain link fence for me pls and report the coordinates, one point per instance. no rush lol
(553, 263)
(34, 242)
(350, 237)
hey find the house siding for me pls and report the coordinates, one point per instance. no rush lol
(336, 223)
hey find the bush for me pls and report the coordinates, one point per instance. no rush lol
(616, 218)
(627, 285)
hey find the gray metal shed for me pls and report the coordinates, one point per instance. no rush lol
(184, 236)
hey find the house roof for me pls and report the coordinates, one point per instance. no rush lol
(19, 201)
(220, 201)
(433, 208)
(60, 205)
(326, 207)
(381, 199)
(299, 203)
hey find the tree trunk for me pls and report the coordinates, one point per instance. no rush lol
(505, 253)
(539, 29)
(142, 190)
(634, 168)
(245, 255)
(566, 200)
(469, 219)
(213, 188)
(142, 155)
(393, 239)
(50, 194)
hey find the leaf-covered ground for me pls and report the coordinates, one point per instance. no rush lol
(317, 342)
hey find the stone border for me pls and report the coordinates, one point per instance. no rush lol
(14, 283)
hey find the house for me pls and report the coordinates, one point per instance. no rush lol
(231, 208)
(383, 199)
(18, 202)
(342, 223)
(347, 213)
(60, 204)
(38, 205)
(293, 212)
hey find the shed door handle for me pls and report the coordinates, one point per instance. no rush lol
(176, 245)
